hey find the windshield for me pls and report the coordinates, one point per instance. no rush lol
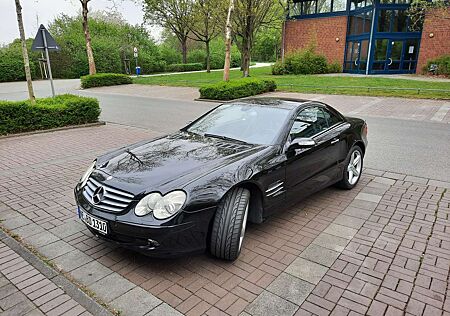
(251, 123)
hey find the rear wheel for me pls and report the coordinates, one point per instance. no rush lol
(229, 224)
(353, 168)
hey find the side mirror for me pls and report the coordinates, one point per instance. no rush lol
(301, 144)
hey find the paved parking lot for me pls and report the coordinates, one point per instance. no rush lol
(383, 247)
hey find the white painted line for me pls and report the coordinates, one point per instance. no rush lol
(441, 113)
(365, 106)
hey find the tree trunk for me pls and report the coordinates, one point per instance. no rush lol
(26, 60)
(184, 49)
(247, 42)
(246, 54)
(208, 57)
(87, 37)
(226, 67)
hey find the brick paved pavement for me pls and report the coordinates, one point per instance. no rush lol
(382, 247)
(26, 291)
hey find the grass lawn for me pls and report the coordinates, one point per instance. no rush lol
(373, 86)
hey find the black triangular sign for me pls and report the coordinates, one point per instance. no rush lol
(38, 43)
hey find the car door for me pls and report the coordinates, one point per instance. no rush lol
(311, 169)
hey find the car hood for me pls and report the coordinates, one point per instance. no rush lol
(170, 162)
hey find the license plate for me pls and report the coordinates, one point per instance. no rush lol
(93, 222)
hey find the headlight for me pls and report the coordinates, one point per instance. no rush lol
(161, 206)
(86, 175)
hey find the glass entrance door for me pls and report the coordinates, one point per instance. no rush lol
(395, 51)
(356, 56)
(395, 56)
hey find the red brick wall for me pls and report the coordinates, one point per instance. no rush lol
(299, 34)
(439, 44)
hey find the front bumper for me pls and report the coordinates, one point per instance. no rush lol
(187, 236)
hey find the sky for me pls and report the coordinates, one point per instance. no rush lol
(36, 12)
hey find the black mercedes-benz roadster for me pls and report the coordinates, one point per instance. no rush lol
(198, 187)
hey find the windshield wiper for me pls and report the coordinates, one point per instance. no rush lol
(224, 138)
(133, 156)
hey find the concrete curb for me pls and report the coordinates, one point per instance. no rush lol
(60, 280)
(53, 130)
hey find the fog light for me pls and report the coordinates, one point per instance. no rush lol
(153, 243)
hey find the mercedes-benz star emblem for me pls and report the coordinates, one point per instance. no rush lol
(97, 197)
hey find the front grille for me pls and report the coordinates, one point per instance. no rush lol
(113, 200)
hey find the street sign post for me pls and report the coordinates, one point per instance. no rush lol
(45, 42)
(135, 50)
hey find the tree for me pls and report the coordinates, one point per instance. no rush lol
(226, 68)
(206, 24)
(175, 15)
(418, 9)
(26, 60)
(87, 37)
(113, 40)
(249, 17)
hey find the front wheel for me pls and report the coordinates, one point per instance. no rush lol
(229, 224)
(353, 168)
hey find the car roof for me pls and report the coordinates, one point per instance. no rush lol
(284, 103)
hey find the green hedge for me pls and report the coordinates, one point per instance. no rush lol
(107, 79)
(184, 67)
(304, 62)
(63, 110)
(443, 65)
(236, 89)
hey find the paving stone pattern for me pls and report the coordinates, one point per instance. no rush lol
(382, 247)
(26, 291)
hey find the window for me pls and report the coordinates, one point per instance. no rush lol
(332, 119)
(251, 123)
(396, 21)
(295, 9)
(339, 5)
(309, 7)
(384, 21)
(381, 49)
(360, 23)
(323, 6)
(399, 21)
(309, 122)
(368, 22)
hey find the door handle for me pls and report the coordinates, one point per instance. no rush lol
(334, 141)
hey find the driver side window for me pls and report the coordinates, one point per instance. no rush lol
(309, 122)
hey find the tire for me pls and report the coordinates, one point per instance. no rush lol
(349, 178)
(229, 224)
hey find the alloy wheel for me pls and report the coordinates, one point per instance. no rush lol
(244, 225)
(354, 167)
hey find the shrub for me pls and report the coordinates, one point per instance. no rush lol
(169, 54)
(236, 89)
(279, 68)
(218, 54)
(443, 65)
(197, 56)
(149, 64)
(184, 67)
(99, 80)
(63, 110)
(11, 62)
(334, 67)
(305, 62)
